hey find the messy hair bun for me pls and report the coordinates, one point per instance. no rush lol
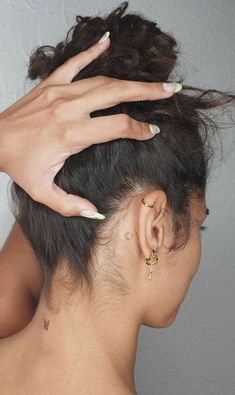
(175, 161)
(139, 50)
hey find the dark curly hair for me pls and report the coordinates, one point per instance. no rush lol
(175, 161)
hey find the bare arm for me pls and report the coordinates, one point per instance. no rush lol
(20, 283)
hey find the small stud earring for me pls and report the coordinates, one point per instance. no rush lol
(153, 260)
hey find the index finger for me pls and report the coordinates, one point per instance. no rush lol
(65, 73)
(119, 91)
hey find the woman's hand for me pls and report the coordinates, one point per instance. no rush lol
(52, 121)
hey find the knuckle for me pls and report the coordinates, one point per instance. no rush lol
(117, 88)
(66, 211)
(127, 90)
(133, 92)
(102, 79)
(49, 93)
(130, 127)
(117, 85)
(125, 123)
(138, 95)
(57, 107)
(36, 195)
(41, 86)
(143, 129)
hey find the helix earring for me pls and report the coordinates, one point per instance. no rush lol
(153, 260)
(146, 204)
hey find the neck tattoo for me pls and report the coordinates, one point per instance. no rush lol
(46, 324)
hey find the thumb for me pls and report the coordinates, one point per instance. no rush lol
(69, 205)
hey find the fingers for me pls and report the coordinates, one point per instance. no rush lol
(118, 91)
(65, 73)
(68, 205)
(102, 129)
(78, 88)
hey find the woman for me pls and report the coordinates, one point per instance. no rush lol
(35, 140)
(103, 280)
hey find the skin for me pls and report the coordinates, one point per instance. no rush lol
(20, 285)
(66, 341)
(44, 127)
(52, 122)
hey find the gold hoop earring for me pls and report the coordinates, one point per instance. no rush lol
(153, 260)
(146, 204)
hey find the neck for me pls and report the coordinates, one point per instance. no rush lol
(96, 341)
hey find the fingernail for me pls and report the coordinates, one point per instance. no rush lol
(154, 129)
(104, 38)
(91, 214)
(172, 87)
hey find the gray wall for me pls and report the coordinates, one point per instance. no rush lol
(196, 355)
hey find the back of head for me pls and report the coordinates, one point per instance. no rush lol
(175, 161)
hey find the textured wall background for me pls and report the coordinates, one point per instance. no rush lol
(196, 355)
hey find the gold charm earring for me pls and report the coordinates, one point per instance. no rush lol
(152, 261)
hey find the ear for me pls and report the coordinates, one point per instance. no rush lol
(151, 222)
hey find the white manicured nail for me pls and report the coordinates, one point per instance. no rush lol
(172, 87)
(91, 214)
(104, 38)
(154, 129)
